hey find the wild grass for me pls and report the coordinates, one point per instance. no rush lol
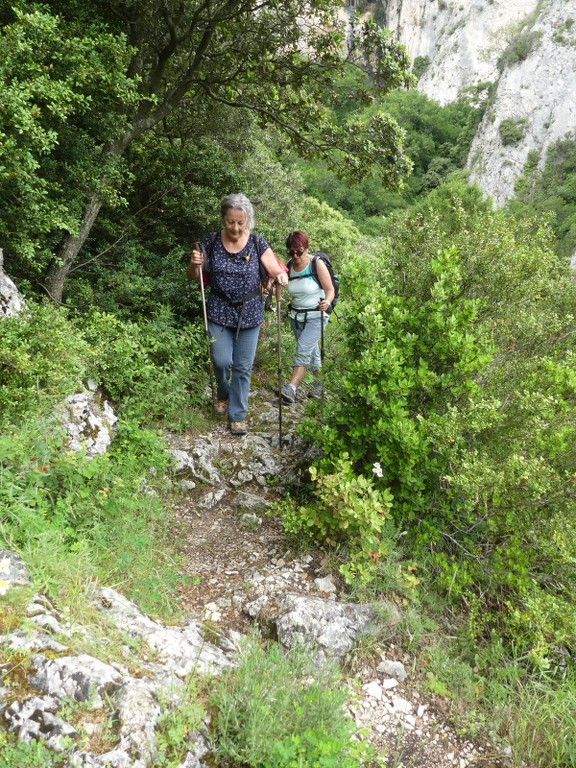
(281, 709)
(76, 521)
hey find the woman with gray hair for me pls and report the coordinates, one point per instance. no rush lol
(231, 261)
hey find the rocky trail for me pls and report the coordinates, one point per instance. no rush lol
(241, 567)
(96, 692)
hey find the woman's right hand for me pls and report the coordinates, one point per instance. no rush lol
(197, 258)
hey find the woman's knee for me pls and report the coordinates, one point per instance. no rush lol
(221, 356)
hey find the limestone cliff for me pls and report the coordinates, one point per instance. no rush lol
(525, 48)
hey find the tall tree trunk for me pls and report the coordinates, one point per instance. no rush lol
(67, 253)
(69, 250)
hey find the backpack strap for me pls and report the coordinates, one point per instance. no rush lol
(248, 296)
(313, 270)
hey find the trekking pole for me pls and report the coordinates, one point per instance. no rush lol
(279, 319)
(321, 359)
(321, 337)
(199, 247)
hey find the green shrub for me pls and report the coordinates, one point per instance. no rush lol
(282, 710)
(43, 358)
(512, 130)
(459, 381)
(420, 65)
(347, 511)
(550, 193)
(519, 48)
(150, 368)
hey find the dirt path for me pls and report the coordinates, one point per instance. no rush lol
(230, 554)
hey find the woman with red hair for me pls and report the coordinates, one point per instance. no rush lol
(311, 295)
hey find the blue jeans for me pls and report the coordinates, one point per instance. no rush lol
(307, 335)
(232, 359)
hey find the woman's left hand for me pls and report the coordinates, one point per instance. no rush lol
(323, 305)
(281, 278)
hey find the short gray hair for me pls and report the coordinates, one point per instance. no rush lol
(239, 202)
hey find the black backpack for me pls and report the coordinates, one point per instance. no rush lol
(314, 271)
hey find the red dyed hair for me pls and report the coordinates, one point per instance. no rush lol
(297, 239)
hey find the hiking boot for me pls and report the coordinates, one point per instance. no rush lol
(221, 407)
(238, 427)
(288, 394)
(316, 389)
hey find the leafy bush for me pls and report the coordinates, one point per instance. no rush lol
(347, 510)
(459, 381)
(522, 45)
(512, 130)
(551, 192)
(150, 368)
(283, 710)
(43, 358)
(420, 65)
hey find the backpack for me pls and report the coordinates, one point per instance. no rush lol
(314, 272)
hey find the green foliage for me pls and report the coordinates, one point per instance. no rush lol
(32, 754)
(133, 265)
(459, 383)
(551, 192)
(42, 359)
(111, 74)
(420, 65)
(519, 48)
(406, 361)
(512, 130)
(347, 510)
(281, 710)
(433, 131)
(60, 89)
(73, 520)
(437, 140)
(178, 725)
(150, 368)
(329, 230)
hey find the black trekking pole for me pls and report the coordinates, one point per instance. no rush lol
(210, 375)
(279, 319)
(321, 360)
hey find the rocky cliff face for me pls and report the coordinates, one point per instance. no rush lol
(525, 48)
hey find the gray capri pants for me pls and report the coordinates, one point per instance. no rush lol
(307, 334)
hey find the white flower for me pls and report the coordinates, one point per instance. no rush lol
(3, 586)
(5, 565)
(377, 469)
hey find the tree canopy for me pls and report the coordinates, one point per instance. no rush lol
(96, 77)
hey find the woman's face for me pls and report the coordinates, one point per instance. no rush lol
(234, 223)
(299, 256)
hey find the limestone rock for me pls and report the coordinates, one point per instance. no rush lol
(11, 303)
(466, 44)
(88, 421)
(330, 627)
